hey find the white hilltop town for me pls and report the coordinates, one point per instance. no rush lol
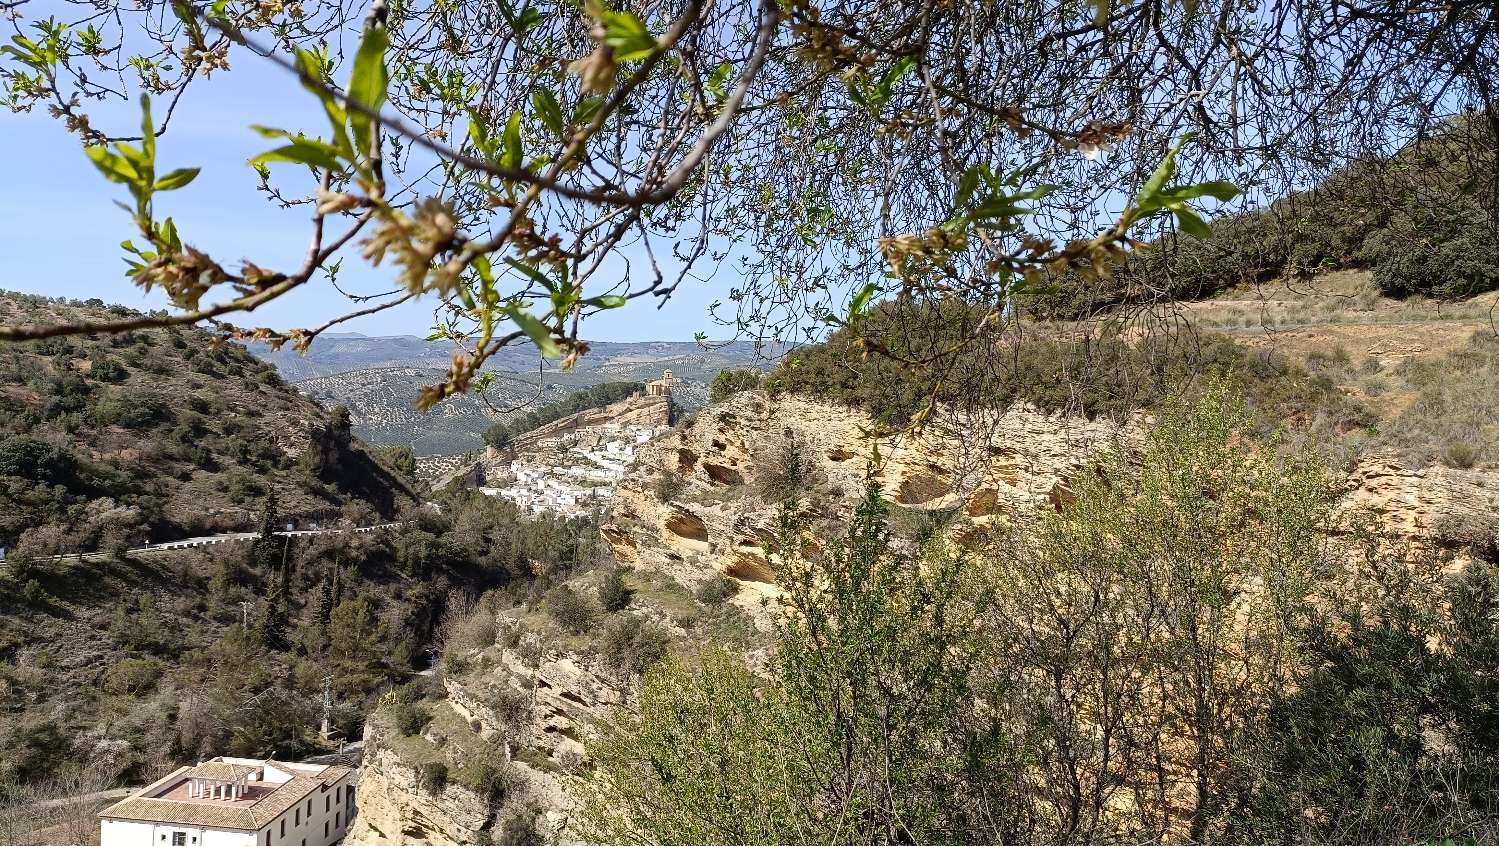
(570, 466)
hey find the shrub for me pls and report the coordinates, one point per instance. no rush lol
(571, 610)
(132, 675)
(614, 594)
(410, 718)
(517, 828)
(435, 775)
(718, 588)
(632, 645)
(1460, 454)
(730, 382)
(483, 770)
(667, 486)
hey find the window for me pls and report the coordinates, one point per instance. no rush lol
(179, 838)
(338, 819)
(338, 794)
(327, 803)
(298, 820)
(309, 809)
(325, 828)
(283, 828)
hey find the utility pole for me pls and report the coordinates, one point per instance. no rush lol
(327, 706)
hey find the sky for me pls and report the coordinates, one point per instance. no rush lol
(60, 230)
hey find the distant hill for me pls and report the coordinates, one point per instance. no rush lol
(161, 434)
(379, 380)
(621, 360)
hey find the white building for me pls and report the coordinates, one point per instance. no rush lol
(235, 802)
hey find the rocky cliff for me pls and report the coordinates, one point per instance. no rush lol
(700, 507)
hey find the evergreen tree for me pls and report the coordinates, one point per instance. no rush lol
(325, 599)
(266, 549)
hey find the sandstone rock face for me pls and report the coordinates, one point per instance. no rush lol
(722, 520)
(1416, 505)
(396, 810)
(716, 472)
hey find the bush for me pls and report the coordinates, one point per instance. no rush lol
(667, 486)
(411, 717)
(1460, 454)
(435, 775)
(632, 645)
(571, 610)
(517, 828)
(614, 594)
(132, 675)
(730, 382)
(717, 589)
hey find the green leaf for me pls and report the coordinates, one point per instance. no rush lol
(512, 155)
(312, 68)
(536, 275)
(368, 85)
(1191, 223)
(302, 152)
(1150, 193)
(966, 186)
(115, 168)
(177, 178)
(627, 34)
(479, 134)
(537, 331)
(148, 140)
(861, 301)
(549, 111)
(1218, 190)
(606, 301)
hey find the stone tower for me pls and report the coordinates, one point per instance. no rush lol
(660, 387)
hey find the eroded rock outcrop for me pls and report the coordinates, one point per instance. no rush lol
(399, 807)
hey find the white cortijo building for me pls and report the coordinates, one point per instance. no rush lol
(235, 802)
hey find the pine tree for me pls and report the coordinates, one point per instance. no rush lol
(265, 549)
(326, 599)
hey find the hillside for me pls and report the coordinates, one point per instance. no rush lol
(1423, 223)
(382, 399)
(618, 361)
(157, 435)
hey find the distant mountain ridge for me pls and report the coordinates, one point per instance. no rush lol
(379, 379)
(345, 352)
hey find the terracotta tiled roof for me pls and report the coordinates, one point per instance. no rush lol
(220, 771)
(144, 807)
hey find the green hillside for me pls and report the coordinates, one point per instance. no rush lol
(156, 435)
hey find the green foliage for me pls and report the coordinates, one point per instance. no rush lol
(132, 676)
(667, 486)
(596, 396)
(411, 717)
(717, 589)
(1416, 220)
(864, 731)
(730, 382)
(401, 459)
(1101, 373)
(434, 776)
(614, 594)
(631, 645)
(572, 611)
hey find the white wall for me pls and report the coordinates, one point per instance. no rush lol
(130, 833)
(325, 808)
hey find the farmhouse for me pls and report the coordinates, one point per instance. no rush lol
(235, 802)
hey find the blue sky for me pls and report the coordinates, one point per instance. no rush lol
(61, 230)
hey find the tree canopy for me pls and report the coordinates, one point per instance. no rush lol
(498, 157)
